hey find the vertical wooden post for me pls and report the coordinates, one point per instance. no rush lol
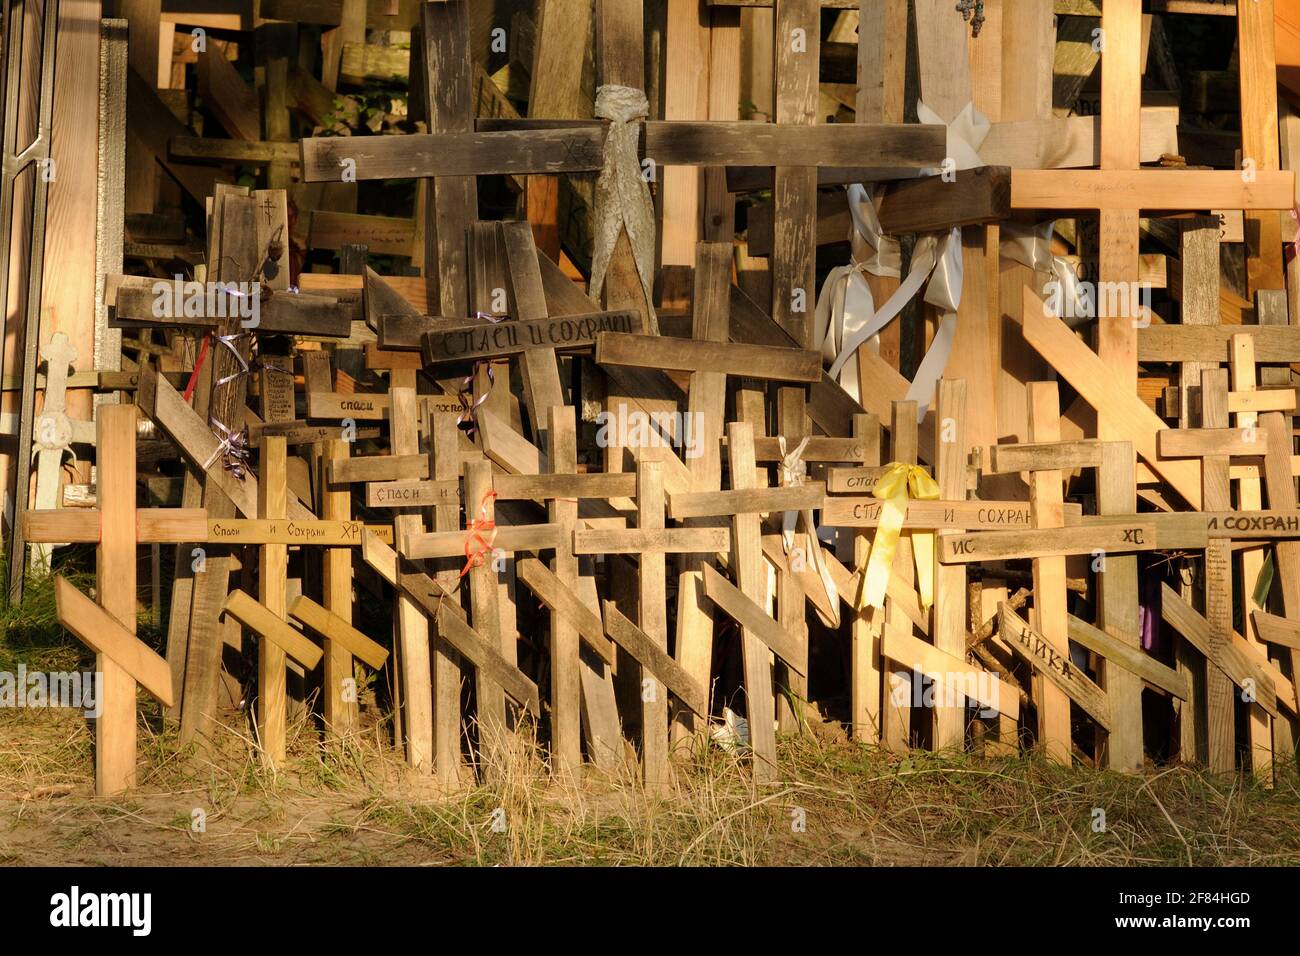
(1218, 578)
(566, 712)
(1259, 140)
(950, 579)
(1121, 108)
(653, 621)
(452, 202)
(1250, 497)
(1119, 612)
(485, 610)
(444, 438)
(272, 494)
(115, 590)
(896, 725)
(865, 628)
(747, 564)
(341, 711)
(1050, 615)
(412, 624)
(1199, 254)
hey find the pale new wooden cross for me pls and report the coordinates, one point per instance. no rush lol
(54, 433)
(108, 626)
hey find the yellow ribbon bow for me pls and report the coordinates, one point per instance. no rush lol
(899, 484)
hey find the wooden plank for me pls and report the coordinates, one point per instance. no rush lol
(703, 504)
(330, 625)
(151, 304)
(409, 494)
(984, 688)
(653, 621)
(447, 671)
(442, 54)
(960, 514)
(255, 615)
(1211, 343)
(1137, 535)
(749, 615)
(340, 712)
(949, 630)
(650, 656)
(1132, 659)
(1230, 659)
(566, 699)
(1256, 57)
(106, 636)
(540, 369)
(1055, 665)
(1118, 615)
(1045, 496)
(588, 485)
(1215, 481)
(652, 541)
(747, 566)
(1127, 190)
(1099, 386)
(1276, 630)
(565, 333)
(344, 471)
(413, 641)
(562, 599)
(82, 526)
(485, 601)
(229, 98)
(285, 531)
(474, 648)
(273, 565)
(754, 361)
(450, 544)
(1250, 496)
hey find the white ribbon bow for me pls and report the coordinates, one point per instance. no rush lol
(1031, 246)
(846, 314)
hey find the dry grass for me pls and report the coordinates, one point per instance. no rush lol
(353, 802)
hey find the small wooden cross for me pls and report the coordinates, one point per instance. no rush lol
(54, 433)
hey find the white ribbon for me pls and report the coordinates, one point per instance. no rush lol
(1031, 246)
(846, 314)
(622, 195)
(793, 472)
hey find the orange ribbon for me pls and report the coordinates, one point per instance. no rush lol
(478, 547)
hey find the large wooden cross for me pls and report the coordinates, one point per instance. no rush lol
(1119, 190)
(108, 624)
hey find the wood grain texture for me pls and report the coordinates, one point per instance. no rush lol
(747, 566)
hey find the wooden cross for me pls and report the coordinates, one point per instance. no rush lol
(54, 433)
(1215, 443)
(575, 608)
(1117, 579)
(108, 627)
(1120, 189)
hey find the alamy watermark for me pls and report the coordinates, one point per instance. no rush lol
(632, 428)
(981, 689)
(75, 690)
(1112, 299)
(214, 300)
